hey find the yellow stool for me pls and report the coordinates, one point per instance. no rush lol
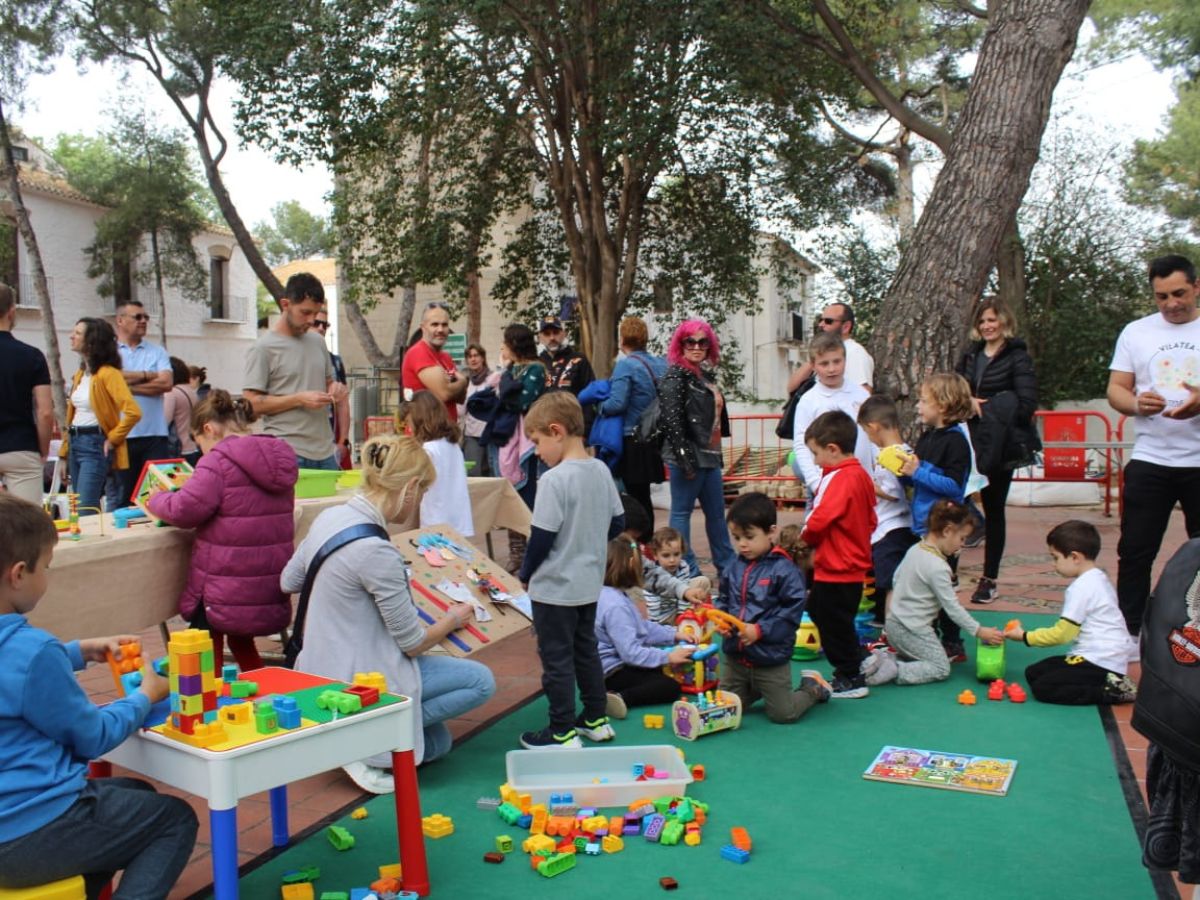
(67, 889)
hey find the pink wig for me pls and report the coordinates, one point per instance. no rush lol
(686, 329)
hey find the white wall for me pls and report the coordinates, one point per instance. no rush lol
(64, 228)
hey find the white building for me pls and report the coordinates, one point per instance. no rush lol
(215, 334)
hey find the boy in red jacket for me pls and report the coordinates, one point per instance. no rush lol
(838, 528)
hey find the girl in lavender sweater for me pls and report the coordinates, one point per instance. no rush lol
(632, 649)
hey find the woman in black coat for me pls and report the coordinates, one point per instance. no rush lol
(1004, 390)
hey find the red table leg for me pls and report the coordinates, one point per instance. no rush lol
(415, 869)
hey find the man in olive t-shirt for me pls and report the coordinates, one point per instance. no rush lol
(289, 377)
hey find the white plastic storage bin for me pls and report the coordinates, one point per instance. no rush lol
(541, 773)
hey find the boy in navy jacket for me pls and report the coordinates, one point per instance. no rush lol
(54, 823)
(764, 589)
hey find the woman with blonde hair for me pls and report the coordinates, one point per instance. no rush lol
(100, 413)
(362, 617)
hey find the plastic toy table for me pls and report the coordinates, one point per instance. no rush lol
(222, 778)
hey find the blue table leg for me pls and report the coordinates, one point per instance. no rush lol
(279, 816)
(223, 823)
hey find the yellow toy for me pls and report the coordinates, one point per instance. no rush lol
(808, 640)
(893, 458)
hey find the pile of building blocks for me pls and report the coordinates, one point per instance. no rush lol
(998, 689)
(194, 690)
(298, 884)
(130, 664)
(738, 848)
(560, 831)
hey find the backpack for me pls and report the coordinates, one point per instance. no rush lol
(646, 430)
(787, 418)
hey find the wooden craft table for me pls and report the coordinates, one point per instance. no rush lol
(130, 579)
(222, 778)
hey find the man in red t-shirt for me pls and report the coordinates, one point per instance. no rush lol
(427, 367)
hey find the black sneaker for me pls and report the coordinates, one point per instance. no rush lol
(844, 688)
(595, 729)
(978, 532)
(535, 740)
(985, 592)
(955, 651)
(815, 685)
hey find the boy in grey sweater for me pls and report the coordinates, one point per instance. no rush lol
(922, 589)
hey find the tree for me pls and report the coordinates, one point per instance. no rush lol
(30, 34)
(1162, 173)
(182, 46)
(294, 233)
(146, 177)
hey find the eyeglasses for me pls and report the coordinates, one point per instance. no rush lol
(695, 342)
(140, 317)
(320, 324)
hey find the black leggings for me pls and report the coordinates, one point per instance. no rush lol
(994, 497)
(1054, 680)
(642, 687)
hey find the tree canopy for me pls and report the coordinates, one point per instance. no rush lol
(294, 233)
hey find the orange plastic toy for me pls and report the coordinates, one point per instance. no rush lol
(967, 698)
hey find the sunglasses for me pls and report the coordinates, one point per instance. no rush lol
(826, 320)
(695, 342)
(140, 317)
(319, 324)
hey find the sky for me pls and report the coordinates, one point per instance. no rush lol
(1117, 102)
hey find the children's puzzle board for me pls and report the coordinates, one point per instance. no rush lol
(425, 574)
(938, 769)
(168, 474)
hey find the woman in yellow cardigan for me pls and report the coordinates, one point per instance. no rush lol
(100, 412)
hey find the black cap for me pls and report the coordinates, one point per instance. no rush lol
(550, 323)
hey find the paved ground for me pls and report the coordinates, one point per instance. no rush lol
(1027, 583)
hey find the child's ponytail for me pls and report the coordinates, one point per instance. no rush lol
(219, 408)
(624, 567)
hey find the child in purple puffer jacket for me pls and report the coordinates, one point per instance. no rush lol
(240, 501)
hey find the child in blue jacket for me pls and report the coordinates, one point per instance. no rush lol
(54, 822)
(764, 589)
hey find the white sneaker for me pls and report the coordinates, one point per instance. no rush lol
(369, 778)
(615, 706)
(598, 730)
(886, 671)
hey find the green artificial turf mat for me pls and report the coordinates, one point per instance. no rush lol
(819, 829)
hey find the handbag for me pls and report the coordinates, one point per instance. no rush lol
(646, 430)
(346, 536)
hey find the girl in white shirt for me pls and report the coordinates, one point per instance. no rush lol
(446, 502)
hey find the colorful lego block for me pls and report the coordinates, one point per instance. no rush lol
(488, 803)
(508, 795)
(339, 837)
(525, 820)
(672, 832)
(653, 827)
(508, 813)
(229, 673)
(493, 856)
(504, 843)
(650, 720)
(301, 891)
(391, 870)
(610, 843)
(437, 826)
(692, 838)
(368, 696)
(306, 873)
(698, 772)
(538, 844)
(734, 854)
(240, 690)
(266, 722)
(667, 883)
(387, 886)
(371, 679)
(740, 838)
(236, 713)
(360, 813)
(591, 848)
(556, 864)
(334, 895)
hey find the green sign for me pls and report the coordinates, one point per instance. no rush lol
(456, 346)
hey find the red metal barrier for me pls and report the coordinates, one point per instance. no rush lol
(756, 458)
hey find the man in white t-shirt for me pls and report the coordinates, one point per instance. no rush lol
(838, 318)
(1155, 377)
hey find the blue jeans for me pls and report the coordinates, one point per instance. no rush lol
(329, 463)
(706, 487)
(449, 688)
(116, 824)
(121, 482)
(88, 467)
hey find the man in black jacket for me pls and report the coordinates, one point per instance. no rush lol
(567, 369)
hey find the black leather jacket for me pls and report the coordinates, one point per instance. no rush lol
(687, 410)
(1010, 370)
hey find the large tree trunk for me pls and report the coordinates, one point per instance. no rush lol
(924, 321)
(158, 289)
(905, 196)
(1010, 272)
(40, 286)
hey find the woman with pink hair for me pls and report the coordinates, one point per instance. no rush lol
(693, 421)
